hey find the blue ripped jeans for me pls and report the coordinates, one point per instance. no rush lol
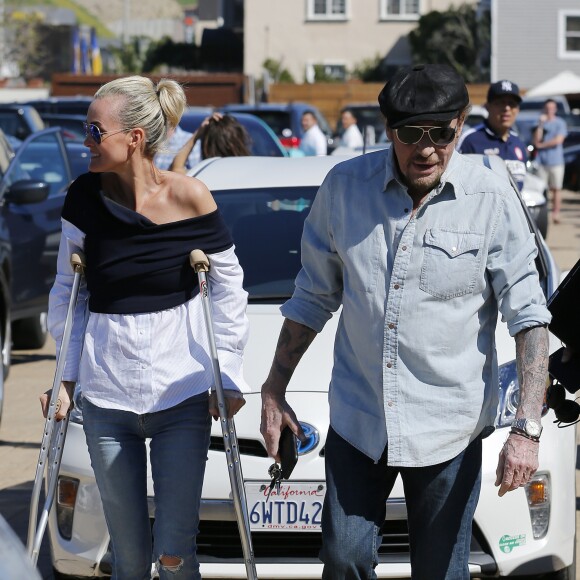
(441, 501)
(179, 442)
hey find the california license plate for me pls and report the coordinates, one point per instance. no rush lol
(297, 507)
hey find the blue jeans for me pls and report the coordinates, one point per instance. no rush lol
(441, 500)
(179, 442)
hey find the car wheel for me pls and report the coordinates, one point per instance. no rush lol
(30, 333)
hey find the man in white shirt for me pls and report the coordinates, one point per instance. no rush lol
(352, 137)
(313, 140)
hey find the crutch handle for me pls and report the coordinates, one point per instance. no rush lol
(77, 261)
(199, 261)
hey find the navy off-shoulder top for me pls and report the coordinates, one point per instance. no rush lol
(132, 264)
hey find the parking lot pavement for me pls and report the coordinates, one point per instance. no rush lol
(20, 434)
(32, 373)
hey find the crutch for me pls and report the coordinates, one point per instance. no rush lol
(200, 263)
(51, 438)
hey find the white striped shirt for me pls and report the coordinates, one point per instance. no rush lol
(152, 361)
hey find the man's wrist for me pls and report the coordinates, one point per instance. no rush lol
(516, 431)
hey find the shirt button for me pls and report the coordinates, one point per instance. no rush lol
(391, 403)
(406, 210)
(396, 286)
(389, 365)
(391, 325)
(454, 249)
(404, 248)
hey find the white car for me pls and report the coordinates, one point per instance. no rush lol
(528, 532)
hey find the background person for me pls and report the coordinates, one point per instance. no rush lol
(417, 232)
(145, 368)
(178, 139)
(218, 136)
(548, 138)
(313, 140)
(352, 137)
(495, 135)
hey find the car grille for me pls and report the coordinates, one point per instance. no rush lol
(246, 446)
(220, 539)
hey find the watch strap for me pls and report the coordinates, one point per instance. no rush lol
(521, 432)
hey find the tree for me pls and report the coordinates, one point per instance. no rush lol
(458, 37)
(277, 72)
(27, 43)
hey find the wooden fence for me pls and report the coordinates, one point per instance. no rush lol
(330, 98)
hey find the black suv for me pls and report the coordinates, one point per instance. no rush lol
(33, 185)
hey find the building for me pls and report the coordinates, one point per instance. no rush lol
(335, 35)
(533, 40)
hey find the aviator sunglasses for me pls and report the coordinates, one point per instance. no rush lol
(97, 135)
(410, 134)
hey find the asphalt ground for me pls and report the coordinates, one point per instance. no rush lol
(32, 373)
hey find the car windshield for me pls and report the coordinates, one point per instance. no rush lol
(279, 121)
(266, 225)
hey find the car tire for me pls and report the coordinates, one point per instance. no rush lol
(30, 333)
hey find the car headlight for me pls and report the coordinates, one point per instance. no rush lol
(509, 395)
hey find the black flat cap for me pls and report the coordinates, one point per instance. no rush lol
(424, 92)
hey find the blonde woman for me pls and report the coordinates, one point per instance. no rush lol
(145, 371)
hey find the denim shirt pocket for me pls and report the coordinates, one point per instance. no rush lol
(451, 262)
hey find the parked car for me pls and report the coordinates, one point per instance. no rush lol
(18, 121)
(33, 183)
(530, 531)
(369, 120)
(537, 104)
(72, 125)
(73, 105)
(264, 141)
(572, 167)
(285, 119)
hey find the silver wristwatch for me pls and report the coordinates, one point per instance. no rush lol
(527, 427)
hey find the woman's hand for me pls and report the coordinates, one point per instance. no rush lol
(64, 402)
(234, 402)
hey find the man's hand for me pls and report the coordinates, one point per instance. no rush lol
(276, 414)
(234, 402)
(518, 461)
(64, 403)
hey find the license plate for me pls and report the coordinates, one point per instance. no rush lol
(296, 508)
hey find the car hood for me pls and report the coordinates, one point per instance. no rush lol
(533, 192)
(315, 368)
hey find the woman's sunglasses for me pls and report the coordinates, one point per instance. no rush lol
(440, 136)
(96, 134)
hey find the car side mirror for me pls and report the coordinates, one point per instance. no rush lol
(27, 191)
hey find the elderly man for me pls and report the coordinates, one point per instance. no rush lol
(420, 246)
(495, 135)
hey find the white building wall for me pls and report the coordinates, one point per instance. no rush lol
(280, 30)
(525, 40)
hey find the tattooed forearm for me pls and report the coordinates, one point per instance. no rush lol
(294, 341)
(532, 363)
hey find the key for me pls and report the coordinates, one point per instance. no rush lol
(276, 474)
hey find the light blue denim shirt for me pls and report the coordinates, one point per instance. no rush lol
(414, 359)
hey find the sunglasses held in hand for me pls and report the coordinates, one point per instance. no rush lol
(411, 135)
(97, 134)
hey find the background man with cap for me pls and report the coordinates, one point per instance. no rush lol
(495, 135)
(420, 246)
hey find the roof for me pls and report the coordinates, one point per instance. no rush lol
(259, 172)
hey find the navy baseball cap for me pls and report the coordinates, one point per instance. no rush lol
(424, 92)
(503, 88)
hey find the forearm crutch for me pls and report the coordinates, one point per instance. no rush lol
(54, 433)
(200, 263)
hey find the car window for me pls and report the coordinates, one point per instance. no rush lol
(41, 159)
(278, 121)
(266, 225)
(13, 124)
